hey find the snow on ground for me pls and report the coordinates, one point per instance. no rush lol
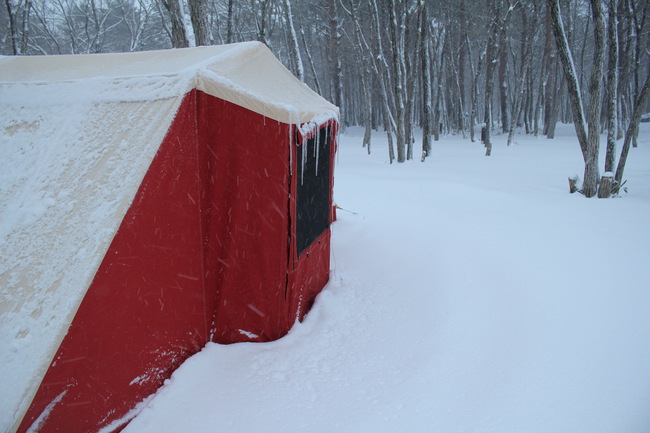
(468, 294)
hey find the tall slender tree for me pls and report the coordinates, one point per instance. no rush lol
(294, 48)
(589, 142)
(612, 84)
(426, 79)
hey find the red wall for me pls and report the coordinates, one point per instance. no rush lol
(146, 309)
(203, 254)
(248, 200)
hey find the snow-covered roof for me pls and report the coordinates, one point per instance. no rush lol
(247, 74)
(77, 134)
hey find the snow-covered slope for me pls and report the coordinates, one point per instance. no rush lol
(468, 294)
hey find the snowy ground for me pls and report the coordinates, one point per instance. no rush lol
(468, 294)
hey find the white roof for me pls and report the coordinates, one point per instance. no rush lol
(247, 74)
(77, 135)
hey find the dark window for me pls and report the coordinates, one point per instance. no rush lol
(313, 195)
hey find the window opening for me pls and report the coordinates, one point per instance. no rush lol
(313, 194)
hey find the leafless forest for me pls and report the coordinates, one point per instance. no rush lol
(448, 67)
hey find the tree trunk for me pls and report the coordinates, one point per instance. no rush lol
(411, 72)
(529, 105)
(588, 144)
(439, 87)
(462, 54)
(179, 36)
(261, 20)
(612, 86)
(570, 74)
(25, 38)
(294, 49)
(583, 52)
(229, 36)
(366, 78)
(540, 102)
(503, 84)
(550, 78)
(526, 48)
(199, 13)
(426, 79)
(625, 62)
(367, 112)
(366, 60)
(553, 91)
(474, 88)
(398, 85)
(458, 123)
(492, 54)
(335, 60)
(12, 28)
(637, 32)
(631, 130)
(590, 182)
(472, 112)
(310, 60)
(382, 72)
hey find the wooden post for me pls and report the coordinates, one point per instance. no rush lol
(606, 183)
(573, 184)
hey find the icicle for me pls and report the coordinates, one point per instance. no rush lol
(317, 150)
(305, 149)
(291, 145)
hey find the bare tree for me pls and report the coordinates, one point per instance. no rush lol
(426, 79)
(632, 130)
(462, 56)
(612, 85)
(397, 62)
(589, 144)
(383, 75)
(552, 81)
(639, 20)
(365, 60)
(497, 27)
(475, 70)
(503, 82)
(442, 42)
(528, 37)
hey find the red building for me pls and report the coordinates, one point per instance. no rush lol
(185, 197)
